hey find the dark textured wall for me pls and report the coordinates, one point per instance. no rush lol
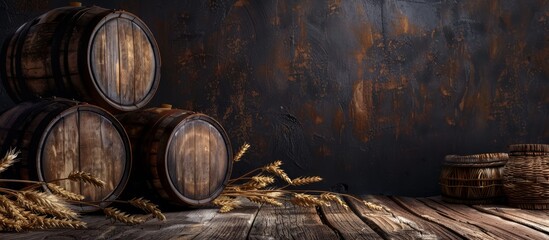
(368, 93)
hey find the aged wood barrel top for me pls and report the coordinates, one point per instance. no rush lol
(124, 59)
(84, 139)
(197, 159)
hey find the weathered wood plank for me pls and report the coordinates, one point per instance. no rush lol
(145, 67)
(114, 154)
(517, 215)
(460, 227)
(347, 224)
(178, 225)
(188, 165)
(126, 60)
(91, 154)
(386, 223)
(69, 159)
(289, 222)
(233, 225)
(53, 158)
(497, 226)
(112, 90)
(99, 59)
(441, 231)
(202, 159)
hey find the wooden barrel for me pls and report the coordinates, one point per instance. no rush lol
(101, 56)
(181, 157)
(57, 137)
(526, 176)
(473, 179)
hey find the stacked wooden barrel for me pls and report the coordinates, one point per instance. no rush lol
(108, 58)
(59, 136)
(183, 156)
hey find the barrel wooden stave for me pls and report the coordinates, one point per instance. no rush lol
(184, 157)
(74, 52)
(59, 137)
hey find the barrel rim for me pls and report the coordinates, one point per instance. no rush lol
(81, 106)
(228, 171)
(156, 51)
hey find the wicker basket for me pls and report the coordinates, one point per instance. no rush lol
(473, 179)
(526, 176)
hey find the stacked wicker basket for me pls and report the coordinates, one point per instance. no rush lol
(108, 58)
(526, 176)
(522, 176)
(473, 179)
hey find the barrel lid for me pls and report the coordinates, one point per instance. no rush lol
(477, 160)
(84, 137)
(198, 160)
(124, 61)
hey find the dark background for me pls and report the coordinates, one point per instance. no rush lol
(368, 93)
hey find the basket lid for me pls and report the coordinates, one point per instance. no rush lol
(477, 160)
(538, 148)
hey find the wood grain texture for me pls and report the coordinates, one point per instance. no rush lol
(347, 224)
(62, 153)
(289, 222)
(532, 219)
(234, 225)
(487, 222)
(202, 158)
(387, 224)
(441, 231)
(178, 225)
(429, 214)
(199, 170)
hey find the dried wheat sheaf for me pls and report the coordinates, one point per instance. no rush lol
(29, 208)
(258, 186)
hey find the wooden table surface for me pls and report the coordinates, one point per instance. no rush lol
(403, 218)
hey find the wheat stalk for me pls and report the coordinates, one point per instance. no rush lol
(43, 222)
(275, 169)
(86, 177)
(243, 149)
(334, 198)
(43, 203)
(60, 191)
(9, 159)
(9, 224)
(264, 199)
(120, 216)
(305, 180)
(149, 207)
(258, 189)
(31, 209)
(306, 200)
(11, 210)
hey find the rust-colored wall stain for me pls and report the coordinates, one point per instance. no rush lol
(370, 93)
